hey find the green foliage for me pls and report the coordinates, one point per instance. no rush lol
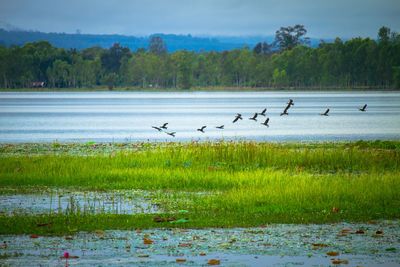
(279, 77)
(110, 79)
(396, 77)
(112, 58)
(157, 45)
(263, 48)
(60, 74)
(358, 62)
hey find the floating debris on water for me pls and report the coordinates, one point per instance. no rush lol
(276, 244)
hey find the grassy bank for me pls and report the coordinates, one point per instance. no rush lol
(248, 183)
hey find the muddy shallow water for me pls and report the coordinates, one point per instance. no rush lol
(120, 202)
(372, 244)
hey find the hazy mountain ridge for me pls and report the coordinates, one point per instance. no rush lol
(174, 42)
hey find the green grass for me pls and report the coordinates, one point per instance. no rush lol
(250, 183)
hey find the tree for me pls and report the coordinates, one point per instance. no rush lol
(396, 77)
(110, 79)
(92, 53)
(263, 48)
(184, 63)
(157, 45)
(111, 58)
(384, 34)
(355, 62)
(59, 74)
(280, 77)
(288, 37)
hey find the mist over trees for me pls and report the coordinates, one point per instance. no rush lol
(288, 62)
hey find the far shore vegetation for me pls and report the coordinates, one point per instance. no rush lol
(236, 184)
(289, 62)
(199, 89)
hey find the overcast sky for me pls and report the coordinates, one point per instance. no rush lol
(322, 18)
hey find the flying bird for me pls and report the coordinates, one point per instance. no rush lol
(263, 112)
(364, 108)
(238, 117)
(164, 126)
(285, 111)
(325, 113)
(266, 122)
(254, 117)
(172, 134)
(157, 128)
(220, 127)
(202, 129)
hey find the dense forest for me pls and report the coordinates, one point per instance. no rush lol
(288, 62)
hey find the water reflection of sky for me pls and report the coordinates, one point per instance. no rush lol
(121, 116)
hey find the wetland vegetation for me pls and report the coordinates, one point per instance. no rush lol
(210, 184)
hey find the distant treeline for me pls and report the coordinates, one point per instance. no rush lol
(287, 62)
(175, 42)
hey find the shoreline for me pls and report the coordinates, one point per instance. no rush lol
(200, 89)
(32, 148)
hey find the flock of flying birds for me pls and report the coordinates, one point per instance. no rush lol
(238, 116)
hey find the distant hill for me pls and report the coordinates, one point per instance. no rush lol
(174, 42)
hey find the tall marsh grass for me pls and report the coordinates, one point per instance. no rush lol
(249, 182)
(207, 166)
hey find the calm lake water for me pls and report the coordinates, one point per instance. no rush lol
(128, 116)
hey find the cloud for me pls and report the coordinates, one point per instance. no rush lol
(323, 18)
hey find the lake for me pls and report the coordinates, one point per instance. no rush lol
(129, 116)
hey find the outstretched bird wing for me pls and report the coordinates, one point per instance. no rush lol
(286, 109)
(236, 119)
(254, 117)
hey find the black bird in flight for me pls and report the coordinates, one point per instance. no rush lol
(238, 117)
(254, 117)
(364, 108)
(325, 113)
(164, 126)
(266, 122)
(172, 134)
(220, 127)
(263, 112)
(157, 128)
(202, 129)
(285, 111)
